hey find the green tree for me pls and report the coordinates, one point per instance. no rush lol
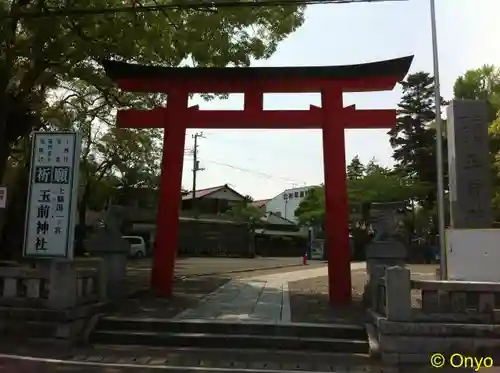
(311, 210)
(37, 54)
(245, 212)
(381, 184)
(372, 167)
(480, 84)
(130, 155)
(413, 138)
(39, 57)
(355, 169)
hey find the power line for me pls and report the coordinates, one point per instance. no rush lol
(262, 174)
(202, 5)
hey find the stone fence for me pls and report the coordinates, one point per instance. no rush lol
(53, 286)
(412, 319)
(59, 301)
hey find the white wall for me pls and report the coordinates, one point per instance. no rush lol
(286, 207)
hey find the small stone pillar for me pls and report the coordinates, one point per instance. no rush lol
(385, 250)
(63, 288)
(114, 251)
(398, 293)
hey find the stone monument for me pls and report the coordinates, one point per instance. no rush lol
(385, 250)
(108, 244)
(469, 164)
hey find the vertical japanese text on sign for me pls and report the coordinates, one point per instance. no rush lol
(52, 191)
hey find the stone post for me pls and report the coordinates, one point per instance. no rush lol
(469, 164)
(384, 250)
(63, 290)
(398, 294)
(114, 251)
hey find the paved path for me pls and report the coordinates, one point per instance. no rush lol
(260, 299)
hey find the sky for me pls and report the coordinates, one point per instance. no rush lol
(263, 163)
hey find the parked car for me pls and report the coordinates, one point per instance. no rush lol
(137, 246)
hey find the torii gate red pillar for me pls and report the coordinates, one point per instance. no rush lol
(336, 222)
(332, 118)
(170, 197)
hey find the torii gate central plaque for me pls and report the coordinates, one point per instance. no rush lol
(332, 118)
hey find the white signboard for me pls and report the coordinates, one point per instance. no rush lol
(3, 197)
(473, 254)
(52, 195)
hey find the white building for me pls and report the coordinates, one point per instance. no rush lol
(285, 204)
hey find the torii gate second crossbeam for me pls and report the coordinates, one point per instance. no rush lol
(332, 118)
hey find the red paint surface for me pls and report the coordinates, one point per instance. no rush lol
(167, 223)
(257, 118)
(333, 118)
(336, 206)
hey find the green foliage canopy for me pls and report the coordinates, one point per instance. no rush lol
(374, 184)
(38, 54)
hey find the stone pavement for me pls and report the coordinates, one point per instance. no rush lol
(13, 364)
(263, 298)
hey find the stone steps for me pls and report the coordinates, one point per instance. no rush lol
(239, 335)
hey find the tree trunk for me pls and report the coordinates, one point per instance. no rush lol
(81, 230)
(4, 150)
(12, 237)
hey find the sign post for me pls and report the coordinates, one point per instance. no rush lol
(52, 195)
(3, 197)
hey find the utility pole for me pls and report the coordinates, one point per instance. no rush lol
(196, 165)
(439, 147)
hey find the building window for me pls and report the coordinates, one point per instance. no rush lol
(290, 195)
(285, 196)
(302, 194)
(296, 194)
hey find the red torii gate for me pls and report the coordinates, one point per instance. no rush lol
(333, 118)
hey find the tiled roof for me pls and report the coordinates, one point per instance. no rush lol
(260, 202)
(203, 192)
(200, 193)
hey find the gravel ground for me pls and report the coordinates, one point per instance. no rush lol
(194, 279)
(309, 297)
(309, 301)
(186, 294)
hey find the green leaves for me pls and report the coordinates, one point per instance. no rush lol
(245, 212)
(366, 184)
(312, 208)
(45, 53)
(355, 169)
(414, 137)
(52, 65)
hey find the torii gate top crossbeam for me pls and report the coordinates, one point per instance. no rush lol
(374, 76)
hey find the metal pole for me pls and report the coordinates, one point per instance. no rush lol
(196, 167)
(439, 147)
